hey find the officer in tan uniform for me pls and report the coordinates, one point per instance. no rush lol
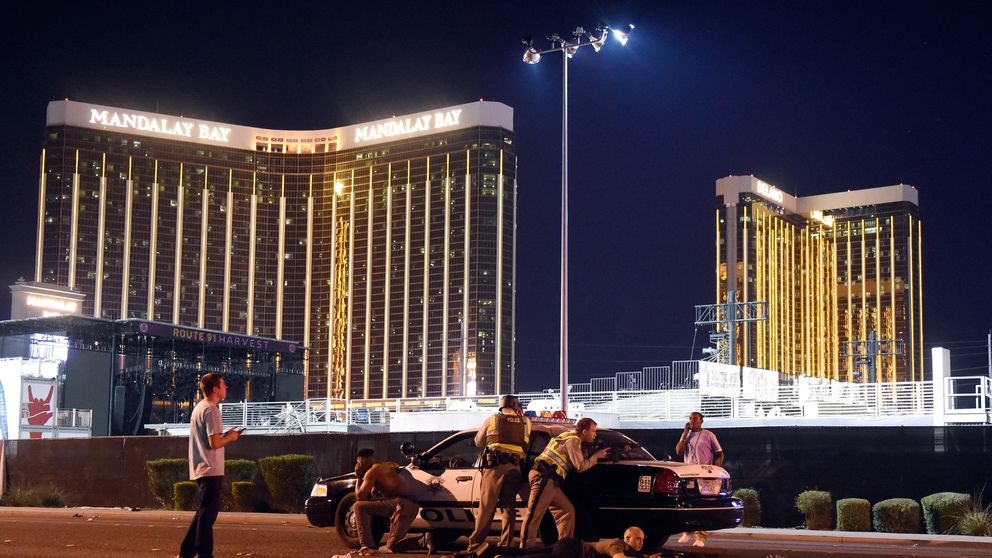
(505, 435)
(562, 456)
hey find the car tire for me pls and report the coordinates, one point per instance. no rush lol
(444, 538)
(654, 542)
(346, 524)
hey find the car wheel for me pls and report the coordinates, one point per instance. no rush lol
(654, 542)
(346, 522)
(443, 538)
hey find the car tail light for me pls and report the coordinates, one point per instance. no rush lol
(666, 482)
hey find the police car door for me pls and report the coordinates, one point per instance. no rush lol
(446, 483)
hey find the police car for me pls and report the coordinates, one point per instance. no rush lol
(630, 487)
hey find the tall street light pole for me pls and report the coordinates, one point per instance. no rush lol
(580, 38)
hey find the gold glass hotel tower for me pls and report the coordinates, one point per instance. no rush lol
(386, 248)
(833, 268)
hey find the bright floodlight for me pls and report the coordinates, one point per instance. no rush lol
(622, 36)
(338, 187)
(598, 42)
(531, 56)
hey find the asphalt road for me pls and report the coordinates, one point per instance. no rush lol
(112, 533)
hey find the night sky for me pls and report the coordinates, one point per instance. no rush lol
(813, 97)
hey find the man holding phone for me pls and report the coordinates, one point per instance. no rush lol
(698, 445)
(206, 464)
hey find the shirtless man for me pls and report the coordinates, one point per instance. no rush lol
(394, 500)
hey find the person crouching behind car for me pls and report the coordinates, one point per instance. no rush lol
(393, 500)
(562, 455)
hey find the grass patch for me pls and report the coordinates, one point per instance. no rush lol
(34, 497)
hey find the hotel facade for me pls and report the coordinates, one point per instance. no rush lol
(835, 270)
(385, 248)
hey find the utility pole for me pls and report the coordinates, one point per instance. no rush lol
(729, 315)
(867, 351)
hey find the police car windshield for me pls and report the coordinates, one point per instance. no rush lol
(621, 447)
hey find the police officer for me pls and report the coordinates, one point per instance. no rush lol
(562, 455)
(505, 436)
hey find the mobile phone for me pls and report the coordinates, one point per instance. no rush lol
(241, 429)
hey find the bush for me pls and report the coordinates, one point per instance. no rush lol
(34, 497)
(235, 471)
(184, 496)
(977, 523)
(240, 470)
(896, 515)
(243, 496)
(163, 474)
(976, 519)
(942, 510)
(752, 506)
(853, 514)
(289, 479)
(816, 505)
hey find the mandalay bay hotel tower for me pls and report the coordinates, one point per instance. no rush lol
(386, 248)
(840, 273)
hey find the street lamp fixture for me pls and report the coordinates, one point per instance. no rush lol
(532, 55)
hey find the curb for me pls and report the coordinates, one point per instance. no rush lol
(947, 542)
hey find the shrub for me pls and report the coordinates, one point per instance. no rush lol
(977, 518)
(163, 474)
(942, 510)
(183, 495)
(977, 523)
(853, 514)
(240, 470)
(289, 479)
(235, 471)
(896, 515)
(816, 506)
(34, 497)
(752, 506)
(243, 496)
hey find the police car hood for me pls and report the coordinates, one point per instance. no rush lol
(684, 470)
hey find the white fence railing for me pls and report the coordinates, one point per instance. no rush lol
(75, 418)
(835, 400)
(969, 395)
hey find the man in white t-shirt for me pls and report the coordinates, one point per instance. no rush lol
(698, 445)
(206, 465)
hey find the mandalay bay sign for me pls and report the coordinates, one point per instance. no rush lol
(161, 125)
(409, 125)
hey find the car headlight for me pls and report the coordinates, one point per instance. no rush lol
(319, 490)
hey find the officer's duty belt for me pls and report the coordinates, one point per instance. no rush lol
(502, 458)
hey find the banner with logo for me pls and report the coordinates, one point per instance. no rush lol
(39, 402)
